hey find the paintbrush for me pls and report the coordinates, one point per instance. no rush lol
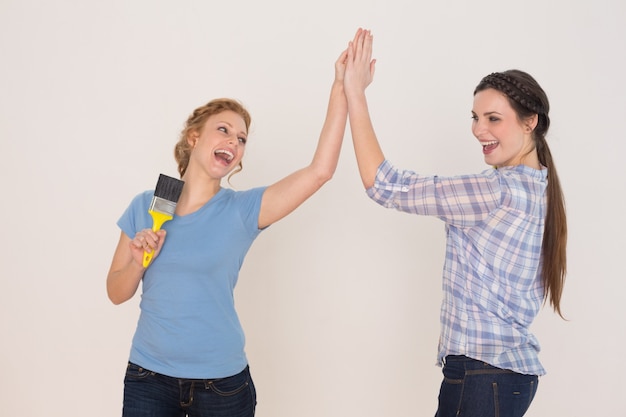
(166, 195)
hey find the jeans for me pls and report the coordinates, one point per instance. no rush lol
(472, 388)
(148, 394)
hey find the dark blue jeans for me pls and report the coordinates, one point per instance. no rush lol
(472, 388)
(148, 394)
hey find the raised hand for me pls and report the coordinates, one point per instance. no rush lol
(360, 66)
(359, 74)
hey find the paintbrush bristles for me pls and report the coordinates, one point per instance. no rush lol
(163, 206)
(168, 188)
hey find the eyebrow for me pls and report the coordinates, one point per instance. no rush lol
(488, 113)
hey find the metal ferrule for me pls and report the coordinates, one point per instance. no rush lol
(162, 205)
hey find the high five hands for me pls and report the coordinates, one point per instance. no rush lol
(360, 66)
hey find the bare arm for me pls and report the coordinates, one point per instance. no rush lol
(127, 269)
(359, 74)
(284, 196)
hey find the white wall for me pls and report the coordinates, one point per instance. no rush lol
(340, 300)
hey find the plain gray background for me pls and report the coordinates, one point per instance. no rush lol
(340, 300)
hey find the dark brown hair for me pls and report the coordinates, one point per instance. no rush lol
(527, 98)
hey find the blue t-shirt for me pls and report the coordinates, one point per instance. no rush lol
(188, 326)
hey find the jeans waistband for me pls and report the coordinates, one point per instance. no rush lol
(471, 364)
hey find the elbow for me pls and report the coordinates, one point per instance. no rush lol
(323, 178)
(116, 299)
(326, 177)
(117, 296)
(315, 176)
(325, 174)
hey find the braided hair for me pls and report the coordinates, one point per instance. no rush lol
(527, 99)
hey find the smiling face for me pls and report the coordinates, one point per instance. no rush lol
(218, 147)
(506, 140)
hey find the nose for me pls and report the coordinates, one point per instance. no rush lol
(478, 128)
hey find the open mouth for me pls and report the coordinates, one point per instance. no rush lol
(489, 146)
(225, 155)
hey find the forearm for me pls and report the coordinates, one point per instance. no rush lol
(125, 273)
(368, 153)
(122, 284)
(284, 196)
(326, 155)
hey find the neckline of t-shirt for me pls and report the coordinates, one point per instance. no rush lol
(212, 201)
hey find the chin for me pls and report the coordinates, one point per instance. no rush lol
(494, 162)
(491, 162)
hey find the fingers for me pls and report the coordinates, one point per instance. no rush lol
(360, 66)
(147, 240)
(358, 33)
(340, 66)
(364, 46)
(342, 58)
(367, 44)
(360, 48)
(350, 50)
(347, 55)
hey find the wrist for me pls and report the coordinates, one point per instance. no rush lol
(355, 95)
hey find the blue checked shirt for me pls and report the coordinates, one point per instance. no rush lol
(492, 288)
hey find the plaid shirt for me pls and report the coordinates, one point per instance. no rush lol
(492, 274)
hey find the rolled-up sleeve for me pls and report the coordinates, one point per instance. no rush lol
(460, 200)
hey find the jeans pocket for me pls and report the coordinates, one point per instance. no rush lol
(137, 372)
(231, 385)
(514, 399)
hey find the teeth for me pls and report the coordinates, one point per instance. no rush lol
(227, 153)
(493, 142)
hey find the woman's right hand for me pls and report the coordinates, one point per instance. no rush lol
(360, 66)
(146, 240)
(359, 74)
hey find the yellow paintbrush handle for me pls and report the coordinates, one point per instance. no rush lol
(157, 221)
